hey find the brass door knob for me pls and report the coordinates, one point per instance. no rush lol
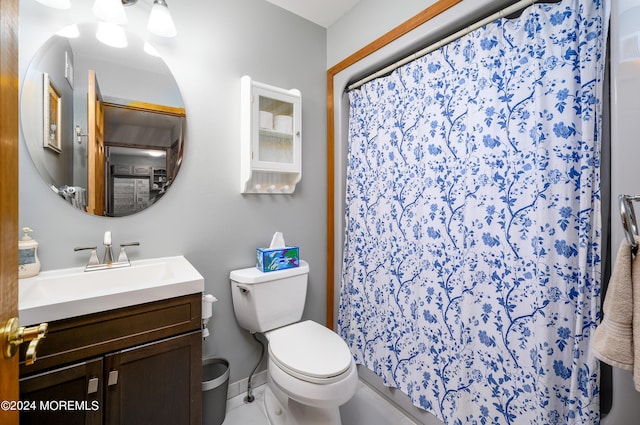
(13, 335)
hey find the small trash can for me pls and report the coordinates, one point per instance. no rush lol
(215, 382)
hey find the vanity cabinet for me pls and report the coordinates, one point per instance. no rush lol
(271, 138)
(135, 365)
(43, 392)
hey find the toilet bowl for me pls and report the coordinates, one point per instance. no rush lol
(310, 368)
(311, 373)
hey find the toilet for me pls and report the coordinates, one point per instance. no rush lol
(311, 370)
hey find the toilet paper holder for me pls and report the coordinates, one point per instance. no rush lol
(207, 312)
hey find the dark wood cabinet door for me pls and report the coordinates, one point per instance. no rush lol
(69, 395)
(156, 383)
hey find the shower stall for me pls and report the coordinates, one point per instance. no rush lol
(624, 399)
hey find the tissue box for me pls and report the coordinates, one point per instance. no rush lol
(272, 259)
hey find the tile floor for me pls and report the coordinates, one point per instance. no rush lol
(366, 408)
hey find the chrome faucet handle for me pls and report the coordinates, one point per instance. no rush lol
(93, 259)
(122, 257)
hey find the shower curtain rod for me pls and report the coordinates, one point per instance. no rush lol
(516, 7)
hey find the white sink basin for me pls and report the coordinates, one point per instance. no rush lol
(64, 293)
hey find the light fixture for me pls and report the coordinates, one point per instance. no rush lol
(110, 11)
(111, 34)
(160, 21)
(56, 4)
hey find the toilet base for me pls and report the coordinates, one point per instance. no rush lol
(282, 410)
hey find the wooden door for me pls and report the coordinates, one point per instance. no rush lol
(95, 147)
(8, 195)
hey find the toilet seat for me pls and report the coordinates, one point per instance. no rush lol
(310, 352)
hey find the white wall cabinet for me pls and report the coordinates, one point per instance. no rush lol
(271, 138)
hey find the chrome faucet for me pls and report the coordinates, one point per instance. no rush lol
(107, 262)
(108, 254)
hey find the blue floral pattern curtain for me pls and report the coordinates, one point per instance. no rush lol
(471, 269)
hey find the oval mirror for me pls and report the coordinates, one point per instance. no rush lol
(103, 125)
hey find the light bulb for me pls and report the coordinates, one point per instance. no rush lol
(160, 20)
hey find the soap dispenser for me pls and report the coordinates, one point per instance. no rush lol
(28, 261)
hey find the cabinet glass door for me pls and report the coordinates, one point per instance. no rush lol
(275, 145)
(275, 139)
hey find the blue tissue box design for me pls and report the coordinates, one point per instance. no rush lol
(269, 260)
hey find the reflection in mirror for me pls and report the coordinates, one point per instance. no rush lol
(104, 126)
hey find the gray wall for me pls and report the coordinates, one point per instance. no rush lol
(56, 166)
(203, 216)
(365, 22)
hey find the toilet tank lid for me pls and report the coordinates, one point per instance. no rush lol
(252, 275)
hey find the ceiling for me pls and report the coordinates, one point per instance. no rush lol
(321, 12)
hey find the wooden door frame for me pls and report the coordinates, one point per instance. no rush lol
(8, 195)
(95, 147)
(427, 14)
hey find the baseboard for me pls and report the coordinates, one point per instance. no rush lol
(239, 387)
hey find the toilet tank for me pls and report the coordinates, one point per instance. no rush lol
(266, 301)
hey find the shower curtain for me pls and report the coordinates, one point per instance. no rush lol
(471, 267)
